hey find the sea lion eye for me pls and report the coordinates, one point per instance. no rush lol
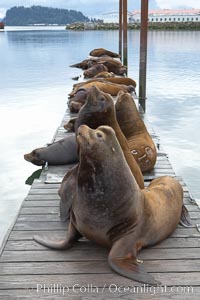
(102, 99)
(99, 135)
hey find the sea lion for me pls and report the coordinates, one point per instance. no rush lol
(70, 125)
(114, 66)
(76, 102)
(101, 51)
(116, 80)
(104, 86)
(61, 152)
(99, 110)
(67, 192)
(94, 70)
(111, 210)
(135, 131)
(85, 64)
(122, 80)
(104, 75)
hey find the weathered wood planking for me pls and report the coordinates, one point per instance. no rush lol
(26, 265)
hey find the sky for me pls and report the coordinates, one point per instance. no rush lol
(95, 7)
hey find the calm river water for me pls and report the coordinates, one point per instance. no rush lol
(35, 80)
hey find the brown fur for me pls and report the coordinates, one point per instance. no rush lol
(101, 51)
(100, 110)
(134, 129)
(94, 70)
(106, 87)
(110, 209)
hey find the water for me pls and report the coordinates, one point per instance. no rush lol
(35, 80)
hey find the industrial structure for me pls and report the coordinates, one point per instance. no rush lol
(167, 15)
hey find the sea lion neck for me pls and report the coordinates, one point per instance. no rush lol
(128, 116)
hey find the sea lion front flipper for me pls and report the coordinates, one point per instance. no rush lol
(185, 219)
(72, 236)
(122, 260)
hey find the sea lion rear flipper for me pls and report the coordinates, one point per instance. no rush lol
(72, 236)
(185, 218)
(122, 260)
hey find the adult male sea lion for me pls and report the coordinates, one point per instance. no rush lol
(101, 51)
(110, 209)
(135, 131)
(99, 110)
(61, 152)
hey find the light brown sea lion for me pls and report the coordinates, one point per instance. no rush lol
(104, 86)
(135, 131)
(101, 51)
(111, 210)
(99, 109)
(122, 80)
(59, 153)
(105, 75)
(116, 80)
(94, 70)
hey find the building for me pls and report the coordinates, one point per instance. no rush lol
(168, 15)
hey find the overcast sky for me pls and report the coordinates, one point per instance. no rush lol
(94, 7)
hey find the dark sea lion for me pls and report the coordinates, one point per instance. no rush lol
(135, 131)
(59, 153)
(114, 66)
(104, 86)
(76, 102)
(70, 125)
(111, 210)
(94, 70)
(99, 110)
(85, 64)
(101, 51)
(67, 192)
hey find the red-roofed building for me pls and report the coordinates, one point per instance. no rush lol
(168, 15)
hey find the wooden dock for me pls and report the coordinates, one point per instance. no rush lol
(31, 271)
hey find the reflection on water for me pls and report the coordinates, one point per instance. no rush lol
(37, 77)
(33, 176)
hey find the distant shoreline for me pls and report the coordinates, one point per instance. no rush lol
(151, 26)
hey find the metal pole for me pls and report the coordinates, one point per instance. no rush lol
(125, 56)
(120, 28)
(143, 53)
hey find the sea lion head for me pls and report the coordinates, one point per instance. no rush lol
(98, 108)
(123, 97)
(97, 144)
(34, 157)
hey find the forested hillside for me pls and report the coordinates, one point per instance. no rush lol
(22, 16)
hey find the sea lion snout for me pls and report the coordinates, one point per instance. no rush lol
(33, 158)
(83, 134)
(89, 137)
